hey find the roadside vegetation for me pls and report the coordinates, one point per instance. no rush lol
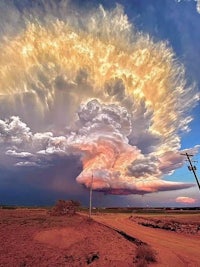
(144, 256)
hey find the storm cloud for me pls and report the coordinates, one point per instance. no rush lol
(87, 88)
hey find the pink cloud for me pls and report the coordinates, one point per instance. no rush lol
(187, 200)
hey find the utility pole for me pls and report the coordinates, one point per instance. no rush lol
(90, 209)
(192, 167)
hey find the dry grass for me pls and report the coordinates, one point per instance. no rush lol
(145, 255)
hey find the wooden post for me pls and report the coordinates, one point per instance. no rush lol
(90, 209)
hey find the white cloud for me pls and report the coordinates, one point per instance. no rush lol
(14, 131)
(26, 164)
(21, 154)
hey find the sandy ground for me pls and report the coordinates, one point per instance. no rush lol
(174, 249)
(33, 238)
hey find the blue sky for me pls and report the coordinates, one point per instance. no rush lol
(176, 22)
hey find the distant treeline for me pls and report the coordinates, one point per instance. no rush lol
(112, 209)
(13, 207)
(150, 210)
(143, 210)
(158, 208)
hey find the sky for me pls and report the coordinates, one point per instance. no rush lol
(102, 94)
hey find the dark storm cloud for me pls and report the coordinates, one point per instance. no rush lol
(159, 186)
(36, 185)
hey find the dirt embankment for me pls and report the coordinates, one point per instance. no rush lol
(32, 238)
(167, 224)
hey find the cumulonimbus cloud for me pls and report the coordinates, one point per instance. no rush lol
(96, 88)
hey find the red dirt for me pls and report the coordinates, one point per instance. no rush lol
(33, 238)
(173, 249)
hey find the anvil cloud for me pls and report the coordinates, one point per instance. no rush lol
(89, 85)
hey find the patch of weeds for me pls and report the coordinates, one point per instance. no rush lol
(145, 255)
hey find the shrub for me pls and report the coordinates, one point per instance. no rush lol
(144, 255)
(63, 207)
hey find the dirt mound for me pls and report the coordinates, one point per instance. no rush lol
(33, 238)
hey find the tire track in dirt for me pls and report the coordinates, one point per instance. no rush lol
(174, 249)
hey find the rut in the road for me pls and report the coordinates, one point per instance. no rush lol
(134, 240)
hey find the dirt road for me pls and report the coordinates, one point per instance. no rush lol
(174, 249)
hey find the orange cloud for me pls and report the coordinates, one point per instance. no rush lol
(187, 200)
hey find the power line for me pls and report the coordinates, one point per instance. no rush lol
(192, 167)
